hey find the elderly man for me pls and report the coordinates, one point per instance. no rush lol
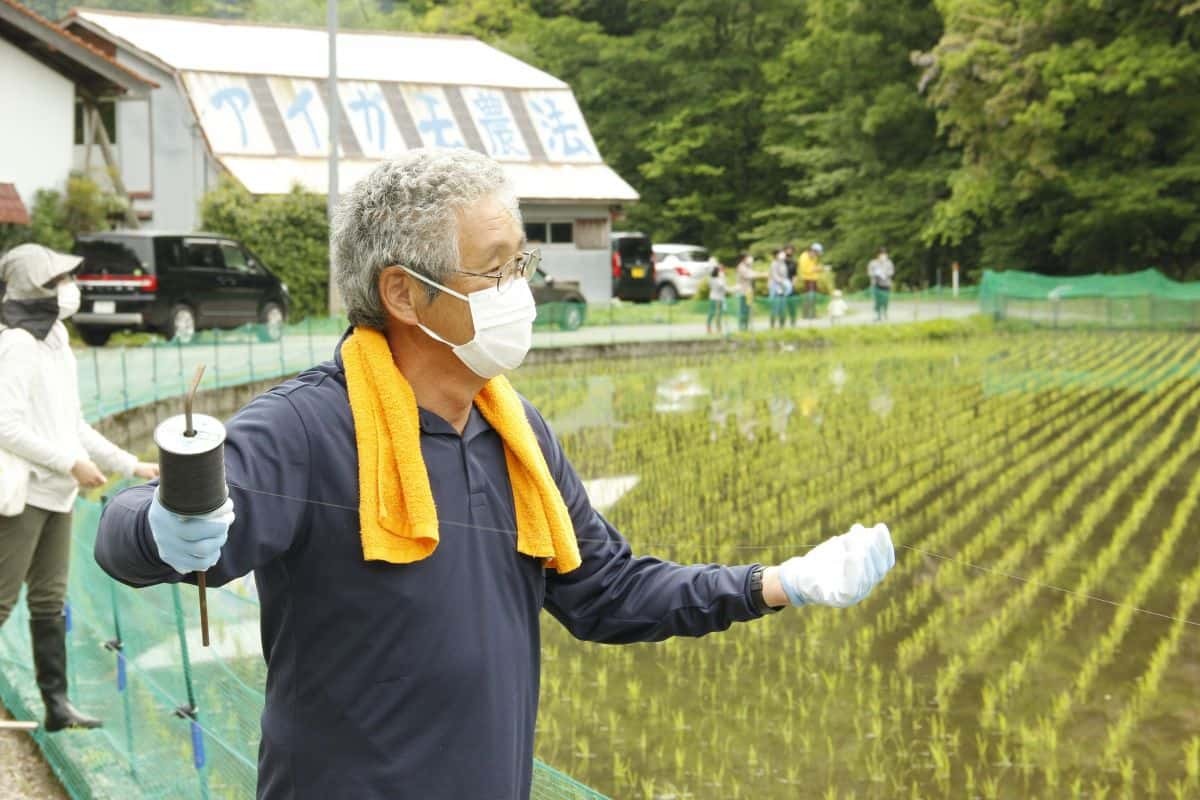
(408, 515)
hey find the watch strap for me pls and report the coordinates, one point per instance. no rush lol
(756, 592)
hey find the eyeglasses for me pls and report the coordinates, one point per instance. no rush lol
(522, 265)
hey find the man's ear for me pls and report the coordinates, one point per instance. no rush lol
(399, 295)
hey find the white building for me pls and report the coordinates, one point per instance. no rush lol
(47, 76)
(250, 100)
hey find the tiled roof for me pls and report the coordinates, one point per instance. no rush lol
(12, 210)
(68, 44)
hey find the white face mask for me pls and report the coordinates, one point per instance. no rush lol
(68, 299)
(503, 327)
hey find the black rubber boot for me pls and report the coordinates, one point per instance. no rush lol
(50, 662)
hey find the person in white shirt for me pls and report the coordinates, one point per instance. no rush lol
(745, 287)
(42, 425)
(779, 286)
(881, 271)
(837, 307)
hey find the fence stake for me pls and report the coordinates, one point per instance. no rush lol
(117, 646)
(124, 381)
(282, 359)
(179, 356)
(216, 360)
(311, 357)
(190, 712)
(96, 371)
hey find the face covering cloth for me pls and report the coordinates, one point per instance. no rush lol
(36, 316)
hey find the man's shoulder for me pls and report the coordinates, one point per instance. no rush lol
(532, 413)
(312, 393)
(320, 379)
(539, 424)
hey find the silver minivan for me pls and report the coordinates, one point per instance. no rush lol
(678, 270)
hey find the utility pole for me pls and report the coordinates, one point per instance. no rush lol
(333, 110)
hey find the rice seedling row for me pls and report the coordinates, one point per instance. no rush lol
(1045, 456)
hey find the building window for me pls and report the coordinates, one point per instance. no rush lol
(562, 232)
(550, 232)
(535, 232)
(108, 115)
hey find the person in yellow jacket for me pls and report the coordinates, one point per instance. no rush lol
(810, 273)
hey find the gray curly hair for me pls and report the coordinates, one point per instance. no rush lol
(406, 212)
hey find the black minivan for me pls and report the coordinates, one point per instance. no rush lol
(174, 284)
(632, 266)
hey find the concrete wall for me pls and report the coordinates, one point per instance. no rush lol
(39, 124)
(592, 268)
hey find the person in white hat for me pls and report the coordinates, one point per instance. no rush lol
(49, 451)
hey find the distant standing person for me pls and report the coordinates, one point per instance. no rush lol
(778, 288)
(717, 290)
(881, 270)
(810, 273)
(837, 307)
(745, 285)
(789, 257)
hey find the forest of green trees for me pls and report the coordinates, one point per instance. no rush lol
(1056, 135)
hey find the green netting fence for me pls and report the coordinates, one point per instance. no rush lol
(147, 368)
(181, 721)
(1137, 300)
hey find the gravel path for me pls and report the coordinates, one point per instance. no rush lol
(24, 774)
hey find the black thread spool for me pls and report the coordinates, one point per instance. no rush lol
(191, 463)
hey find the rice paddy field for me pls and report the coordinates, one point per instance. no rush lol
(1041, 491)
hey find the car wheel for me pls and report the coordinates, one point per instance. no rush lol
(181, 325)
(270, 322)
(95, 337)
(667, 293)
(572, 316)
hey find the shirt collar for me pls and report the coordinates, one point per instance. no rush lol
(432, 424)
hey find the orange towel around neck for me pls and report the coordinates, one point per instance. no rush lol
(398, 517)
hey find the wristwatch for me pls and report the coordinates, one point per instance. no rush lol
(756, 592)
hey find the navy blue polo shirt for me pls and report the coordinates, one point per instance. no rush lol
(390, 681)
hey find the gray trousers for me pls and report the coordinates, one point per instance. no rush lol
(35, 549)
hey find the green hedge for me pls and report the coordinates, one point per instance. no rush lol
(289, 232)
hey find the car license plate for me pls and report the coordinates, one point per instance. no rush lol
(104, 307)
(638, 272)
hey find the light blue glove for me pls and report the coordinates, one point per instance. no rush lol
(187, 543)
(840, 571)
